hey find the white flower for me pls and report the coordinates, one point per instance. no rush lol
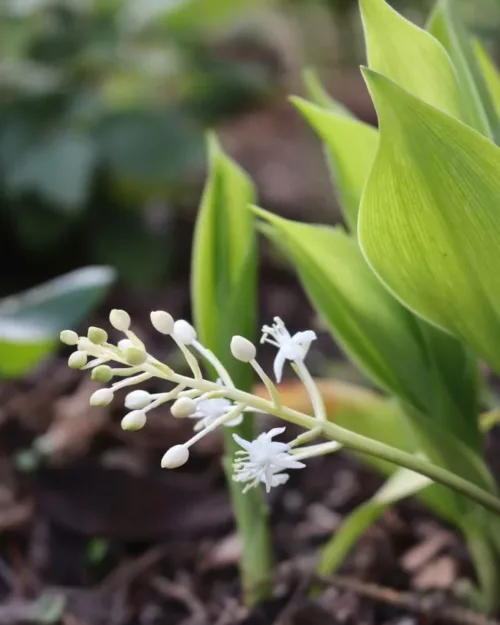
(289, 347)
(264, 460)
(208, 410)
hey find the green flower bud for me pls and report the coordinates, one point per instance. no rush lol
(102, 373)
(98, 336)
(135, 356)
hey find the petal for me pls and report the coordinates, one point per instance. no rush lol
(288, 462)
(275, 432)
(247, 445)
(236, 421)
(279, 362)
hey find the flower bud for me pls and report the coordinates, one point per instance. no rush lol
(102, 373)
(98, 336)
(119, 319)
(85, 345)
(124, 344)
(183, 407)
(135, 356)
(162, 321)
(136, 400)
(175, 457)
(184, 332)
(77, 360)
(68, 337)
(102, 397)
(134, 420)
(243, 349)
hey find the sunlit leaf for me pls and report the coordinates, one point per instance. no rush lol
(30, 322)
(430, 221)
(410, 56)
(350, 147)
(446, 25)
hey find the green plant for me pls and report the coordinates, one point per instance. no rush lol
(408, 290)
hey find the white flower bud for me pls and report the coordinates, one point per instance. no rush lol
(85, 345)
(102, 373)
(183, 407)
(68, 337)
(102, 397)
(134, 420)
(136, 400)
(135, 356)
(243, 349)
(175, 457)
(162, 321)
(77, 360)
(184, 332)
(124, 344)
(119, 319)
(98, 336)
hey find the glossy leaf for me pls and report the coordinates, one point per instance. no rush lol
(430, 221)
(350, 147)
(410, 56)
(446, 25)
(30, 322)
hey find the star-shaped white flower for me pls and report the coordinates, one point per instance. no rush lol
(264, 460)
(208, 410)
(293, 348)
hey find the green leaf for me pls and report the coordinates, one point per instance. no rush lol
(317, 94)
(30, 322)
(446, 25)
(350, 148)
(410, 57)
(224, 274)
(59, 169)
(429, 220)
(490, 73)
(379, 334)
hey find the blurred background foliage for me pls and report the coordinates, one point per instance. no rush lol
(103, 108)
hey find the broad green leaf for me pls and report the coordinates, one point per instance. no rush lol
(489, 71)
(446, 25)
(350, 148)
(430, 220)
(224, 259)
(317, 94)
(224, 271)
(30, 322)
(411, 57)
(58, 169)
(385, 340)
(379, 334)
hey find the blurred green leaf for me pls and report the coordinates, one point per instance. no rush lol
(58, 169)
(429, 218)
(446, 25)
(350, 148)
(30, 322)
(411, 57)
(150, 147)
(317, 94)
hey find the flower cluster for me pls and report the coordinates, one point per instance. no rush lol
(212, 404)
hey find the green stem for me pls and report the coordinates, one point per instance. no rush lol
(350, 440)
